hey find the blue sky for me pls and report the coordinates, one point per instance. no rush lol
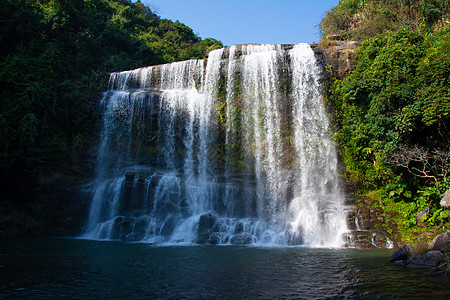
(248, 21)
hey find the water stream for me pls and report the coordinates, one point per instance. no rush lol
(85, 269)
(234, 149)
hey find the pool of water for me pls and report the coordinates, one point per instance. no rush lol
(58, 268)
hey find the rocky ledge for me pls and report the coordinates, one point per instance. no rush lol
(339, 57)
(436, 256)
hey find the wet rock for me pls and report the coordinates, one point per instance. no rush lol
(431, 259)
(140, 227)
(358, 239)
(293, 239)
(351, 218)
(168, 226)
(242, 239)
(217, 238)
(441, 242)
(205, 226)
(239, 228)
(131, 237)
(122, 227)
(402, 254)
(368, 217)
(380, 240)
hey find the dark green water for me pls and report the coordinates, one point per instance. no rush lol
(58, 268)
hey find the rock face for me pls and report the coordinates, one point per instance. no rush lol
(441, 242)
(363, 222)
(242, 239)
(445, 202)
(431, 259)
(435, 258)
(340, 56)
(402, 254)
(205, 226)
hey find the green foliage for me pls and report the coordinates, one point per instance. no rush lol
(54, 62)
(362, 19)
(434, 73)
(386, 102)
(398, 98)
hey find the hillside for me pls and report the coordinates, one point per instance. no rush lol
(54, 62)
(362, 19)
(393, 110)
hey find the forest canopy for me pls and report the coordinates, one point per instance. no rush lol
(393, 110)
(54, 60)
(362, 19)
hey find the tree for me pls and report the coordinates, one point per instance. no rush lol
(424, 163)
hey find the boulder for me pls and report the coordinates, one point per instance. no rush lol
(242, 239)
(441, 242)
(216, 238)
(431, 259)
(402, 254)
(361, 239)
(445, 201)
(206, 223)
(122, 227)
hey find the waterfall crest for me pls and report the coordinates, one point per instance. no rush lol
(233, 149)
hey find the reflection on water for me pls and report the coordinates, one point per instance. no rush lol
(55, 268)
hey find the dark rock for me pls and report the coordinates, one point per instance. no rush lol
(239, 228)
(358, 239)
(168, 226)
(445, 202)
(242, 239)
(380, 240)
(441, 242)
(400, 263)
(294, 239)
(131, 237)
(206, 223)
(351, 218)
(363, 218)
(217, 238)
(403, 253)
(431, 259)
(122, 227)
(367, 217)
(140, 227)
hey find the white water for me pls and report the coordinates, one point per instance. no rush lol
(232, 150)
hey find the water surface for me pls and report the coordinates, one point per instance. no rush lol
(58, 268)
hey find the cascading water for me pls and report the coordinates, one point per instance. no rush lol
(235, 149)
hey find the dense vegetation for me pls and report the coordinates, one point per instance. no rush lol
(55, 57)
(362, 19)
(393, 111)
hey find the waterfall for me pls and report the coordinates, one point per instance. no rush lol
(233, 149)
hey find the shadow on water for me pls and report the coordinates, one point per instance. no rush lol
(57, 268)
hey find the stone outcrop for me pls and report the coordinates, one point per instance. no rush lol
(402, 254)
(441, 243)
(242, 239)
(364, 221)
(205, 226)
(445, 202)
(339, 56)
(435, 258)
(431, 259)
